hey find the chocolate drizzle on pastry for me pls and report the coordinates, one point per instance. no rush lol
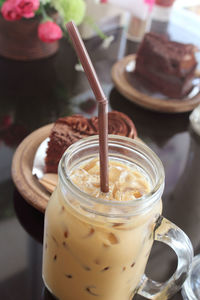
(68, 130)
(118, 123)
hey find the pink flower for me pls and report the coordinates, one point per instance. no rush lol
(150, 3)
(9, 11)
(49, 32)
(27, 8)
(13, 10)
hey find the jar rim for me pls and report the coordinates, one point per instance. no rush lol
(143, 201)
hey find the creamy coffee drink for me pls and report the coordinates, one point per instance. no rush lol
(93, 256)
(125, 183)
(96, 245)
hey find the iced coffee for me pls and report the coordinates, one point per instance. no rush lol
(87, 257)
(96, 245)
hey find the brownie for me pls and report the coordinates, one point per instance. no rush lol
(70, 129)
(166, 66)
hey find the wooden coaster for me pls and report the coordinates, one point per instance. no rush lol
(27, 184)
(124, 86)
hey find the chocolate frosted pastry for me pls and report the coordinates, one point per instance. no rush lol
(68, 130)
(118, 123)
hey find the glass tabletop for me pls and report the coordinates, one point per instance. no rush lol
(33, 94)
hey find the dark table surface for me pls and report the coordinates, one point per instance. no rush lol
(33, 94)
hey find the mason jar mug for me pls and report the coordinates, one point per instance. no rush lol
(98, 249)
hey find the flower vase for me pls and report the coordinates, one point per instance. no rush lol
(19, 40)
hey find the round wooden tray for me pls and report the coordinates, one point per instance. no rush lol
(125, 87)
(27, 184)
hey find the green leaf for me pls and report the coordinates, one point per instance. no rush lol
(38, 12)
(1, 2)
(44, 2)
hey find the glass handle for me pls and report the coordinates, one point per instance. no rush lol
(173, 236)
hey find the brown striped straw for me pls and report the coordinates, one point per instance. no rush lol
(100, 97)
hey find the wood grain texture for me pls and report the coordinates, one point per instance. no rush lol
(27, 184)
(49, 181)
(126, 89)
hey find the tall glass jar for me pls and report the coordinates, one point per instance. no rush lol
(96, 248)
